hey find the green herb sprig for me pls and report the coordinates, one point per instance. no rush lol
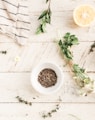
(44, 18)
(82, 79)
(66, 43)
(23, 101)
(49, 114)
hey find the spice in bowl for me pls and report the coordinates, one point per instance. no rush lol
(47, 78)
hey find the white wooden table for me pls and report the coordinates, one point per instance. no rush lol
(15, 77)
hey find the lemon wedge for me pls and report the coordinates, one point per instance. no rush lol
(84, 15)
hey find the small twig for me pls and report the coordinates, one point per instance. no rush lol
(49, 4)
(74, 116)
(92, 48)
(23, 101)
(3, 52)
(89, 51)
(49, 114)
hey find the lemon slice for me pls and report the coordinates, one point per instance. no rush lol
(84, 15)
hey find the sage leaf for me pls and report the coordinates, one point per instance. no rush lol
(43, 14)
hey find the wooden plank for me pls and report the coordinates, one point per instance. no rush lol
(36, 53)
(18, 84)
(66, 111)
(40, 5)
(61, 21)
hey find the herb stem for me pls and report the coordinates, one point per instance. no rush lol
(49, 5)
(23, 101)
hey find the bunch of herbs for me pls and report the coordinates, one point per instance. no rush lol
(83, 80)
(66, 43)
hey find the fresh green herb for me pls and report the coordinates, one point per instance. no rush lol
(66, 43)
(44, 18)
(49, 114)
(81, 77)
(3, 52)
(83, 80)
(23, 101)
(92, 48)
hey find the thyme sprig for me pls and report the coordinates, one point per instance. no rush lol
(50, 113)
(82, 79)
(23, 101)
(44, 18)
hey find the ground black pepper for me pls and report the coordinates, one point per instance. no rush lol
(47, 78)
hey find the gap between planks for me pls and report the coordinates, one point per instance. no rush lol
(49, 102)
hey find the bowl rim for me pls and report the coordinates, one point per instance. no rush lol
(55, 68)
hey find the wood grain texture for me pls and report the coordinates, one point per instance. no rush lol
(18, 84)
(66, 111)
(65, 5)
(36, 53)
(15, 76)
(62, 20)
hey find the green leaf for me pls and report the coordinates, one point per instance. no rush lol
(72, 36)
(67, 35)
(39, 29)
(78, 69)
(75, 42)
(47, 1)
(43, 14)
(60, 42)
(43, 27)
(68, 54)
(47, 18)
(87, 81)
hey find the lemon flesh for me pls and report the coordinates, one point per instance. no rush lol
(84, 15)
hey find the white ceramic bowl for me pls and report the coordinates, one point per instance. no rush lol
(38, 87)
